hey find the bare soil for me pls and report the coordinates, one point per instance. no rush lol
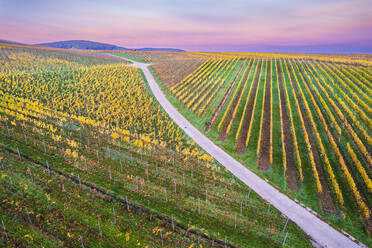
(173, 72)
(264, 159)
(291, 175)
(325, 196)
(223, 101)
(224, 133)
(240, 146)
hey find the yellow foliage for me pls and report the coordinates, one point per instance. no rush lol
(138, 143)
(115, 135)
(28, 236)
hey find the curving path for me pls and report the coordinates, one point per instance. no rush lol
(321, 233)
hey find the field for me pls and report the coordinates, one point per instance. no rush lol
(89, 159)
(182, 64)
(301, 121)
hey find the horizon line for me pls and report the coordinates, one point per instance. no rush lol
(265, 48)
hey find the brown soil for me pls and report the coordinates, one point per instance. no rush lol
(325, 196)
(291, 174)
(368, 224)
(216, 89)
(240, 147)
(223, 133)
(173, 72)
(264, 160)
(224, 99)
(212, 88)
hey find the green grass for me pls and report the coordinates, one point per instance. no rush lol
(276, 139)
(192, 185)
(72, 212)
(252, 145)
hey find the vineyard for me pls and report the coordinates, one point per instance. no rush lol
(170, 67)
(89, 159)
(303, 122)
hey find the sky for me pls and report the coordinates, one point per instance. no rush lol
(204, 25)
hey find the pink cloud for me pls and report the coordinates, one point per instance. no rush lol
(326, 23)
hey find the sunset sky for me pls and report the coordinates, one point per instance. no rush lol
(219, 25)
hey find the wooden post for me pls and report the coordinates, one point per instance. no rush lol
(24, 135)
(4, 228)
(285, 238)
(175, 186)
(7, 128)
(235, 219)
(19, 154)
(99, 227)
(28, 215)
(29, 172)
(285, 225)
(172, 223)
(49, 207)
(82, 243)
(126, 200)
(113, 214)
(249, 194)
(47, 164)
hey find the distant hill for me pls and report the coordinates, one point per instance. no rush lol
(151, 49)
(82, 44)
(10, 42)
(92, 45)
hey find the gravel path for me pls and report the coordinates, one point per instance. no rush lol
(321, 233)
